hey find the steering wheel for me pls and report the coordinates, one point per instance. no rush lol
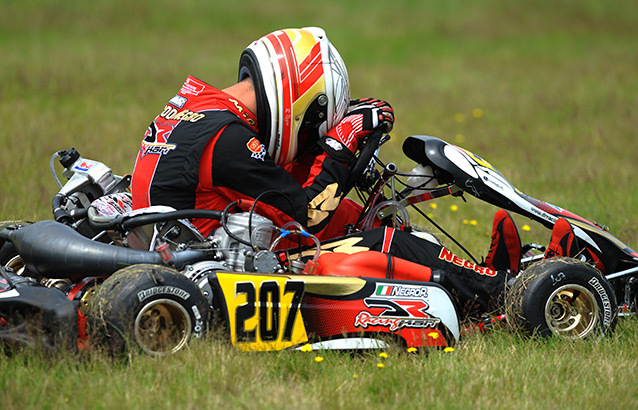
(367, 149)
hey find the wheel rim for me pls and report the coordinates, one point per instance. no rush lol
(571, 311)
(16, 264)
(162, 327)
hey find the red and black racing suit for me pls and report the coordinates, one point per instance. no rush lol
(202, 151)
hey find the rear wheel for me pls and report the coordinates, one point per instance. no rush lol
(562, 297)
(150, 308)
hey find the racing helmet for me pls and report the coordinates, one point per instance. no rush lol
(301, 87)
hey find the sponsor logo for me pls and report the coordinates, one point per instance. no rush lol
(162, 290)
(494, 183)
(595, 283)
(157, 149)
(84, 166)
(156, 138)
(240, 110)
(334, 144)
(419, 292)
(249, 120)
(448, 256)
(257, 149)
(173, 114)
(236, 104)
(254, 145)
(178, 101)
(365, 319)
(192, 87)
(396, 314)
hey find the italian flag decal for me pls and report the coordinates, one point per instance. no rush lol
(384, 290)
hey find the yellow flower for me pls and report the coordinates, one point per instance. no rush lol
(459, 139)
(380, 365)
(526, 228)
(448, 349)
(383, 354)
(430, 215)
(454, 208)
(306, 348)
(354, 376)
(433, 335)
(433, 205)
(473, 222)
(465, 222)
(412, 350)
(459, 117)
(477, 113)
(318, 359)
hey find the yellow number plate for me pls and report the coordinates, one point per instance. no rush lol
(263, 311)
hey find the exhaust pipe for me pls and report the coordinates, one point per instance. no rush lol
(55, 250)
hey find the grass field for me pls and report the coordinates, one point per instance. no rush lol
(545, 90)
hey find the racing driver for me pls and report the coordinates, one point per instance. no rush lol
(282, 139)
(285, 133)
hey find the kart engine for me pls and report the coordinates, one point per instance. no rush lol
(241, 246)
(244, 243)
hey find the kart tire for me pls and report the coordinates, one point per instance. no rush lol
(563, 297)
(148, 308)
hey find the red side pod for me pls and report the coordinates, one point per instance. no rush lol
(371, 264)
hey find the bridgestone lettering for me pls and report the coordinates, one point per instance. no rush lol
(162, 290)
(603, 295)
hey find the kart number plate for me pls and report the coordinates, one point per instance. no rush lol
(263, 312)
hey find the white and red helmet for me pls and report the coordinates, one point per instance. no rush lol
(301, 85)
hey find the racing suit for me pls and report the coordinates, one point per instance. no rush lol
(202, 152)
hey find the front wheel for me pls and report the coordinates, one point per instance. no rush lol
(563, 297)
(148, 307)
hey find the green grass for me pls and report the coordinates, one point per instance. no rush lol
(557, 84)
(494, 370)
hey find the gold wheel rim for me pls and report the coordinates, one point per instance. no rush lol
(572, 311)
(16, 264)
(162, 327)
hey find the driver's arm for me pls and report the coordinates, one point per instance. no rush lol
(310, 196)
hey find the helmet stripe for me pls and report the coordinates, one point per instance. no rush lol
(311, 69)
(283, 49)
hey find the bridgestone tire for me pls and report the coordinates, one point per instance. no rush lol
(150, 308)
(563, 297)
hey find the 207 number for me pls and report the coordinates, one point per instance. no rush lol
(268, 309)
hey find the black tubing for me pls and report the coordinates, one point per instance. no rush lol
(127, 223)
(170, 216)
(55, 250)
(59, 214)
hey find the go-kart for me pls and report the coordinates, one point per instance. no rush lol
(101, 275)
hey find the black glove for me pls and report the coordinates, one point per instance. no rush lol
(363, 116)
(380, 112)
